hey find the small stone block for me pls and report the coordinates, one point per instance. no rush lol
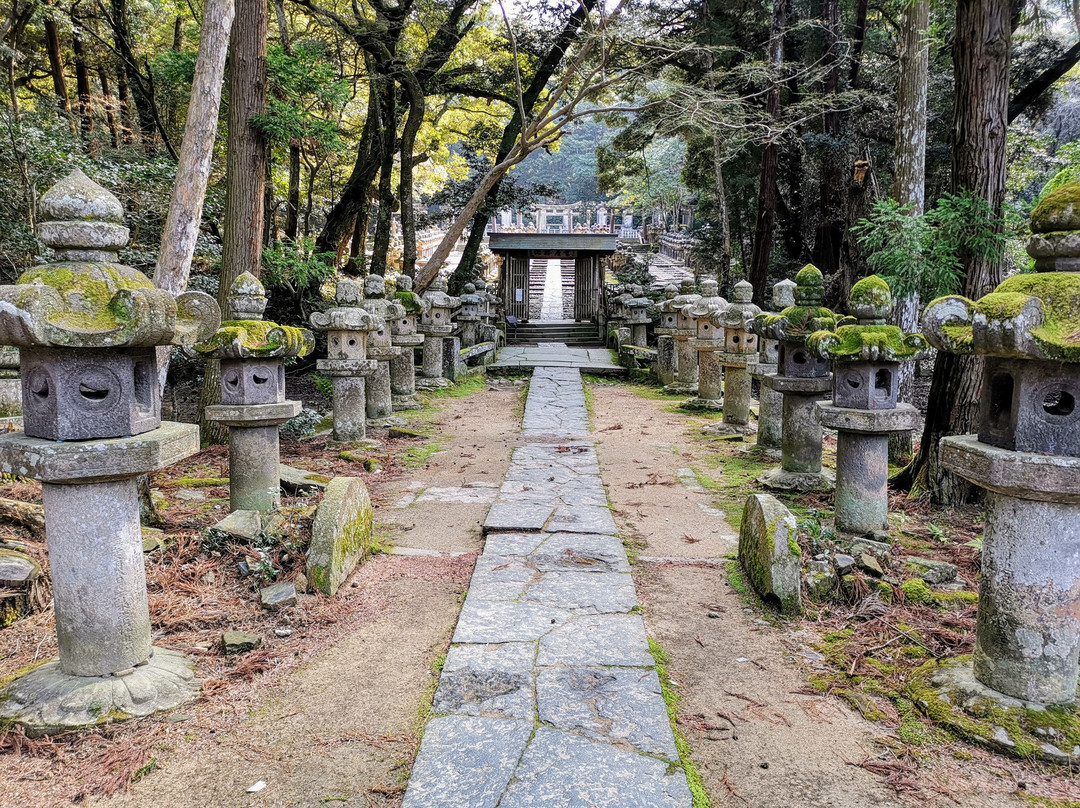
(769, 552)
(241, 525)
(341, 534)
(403, 432)
(239, 642)
(931, 571)
(278, 596)
(296, 481)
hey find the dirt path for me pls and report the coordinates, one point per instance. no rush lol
(758, 733)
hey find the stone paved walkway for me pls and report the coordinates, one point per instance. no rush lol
(549, 696)
(552, 307)
(556, 354)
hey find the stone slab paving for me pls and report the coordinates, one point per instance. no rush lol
(549, 696)
(554, 355)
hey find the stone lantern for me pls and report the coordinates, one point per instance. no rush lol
(707, 340)
(666, 358)
(1027, 456)
(347, 325)
(487, 301)
(770, 402)
(802, 379)
(380, 399)
(638, 307)
(686, 379)
(866, 359)
(252, 352)
(404, 335)
(740, 348)
(470, 315)
(436, 324)
(87, 328)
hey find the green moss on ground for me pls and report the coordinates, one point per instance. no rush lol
(671, 700)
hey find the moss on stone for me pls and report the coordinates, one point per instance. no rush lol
(871, 291)
(89, 290)
(258, 338)
(916, 590)
(1059, 334)
(410, 300)
(866, 343)
(1058, 210)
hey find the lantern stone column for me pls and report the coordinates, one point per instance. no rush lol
(88, 328)
(802, 379)
(469, 316)
(379, 393)
(708, 341)
(686, 378)
(346, 364)
(740, 346)
(667, 364)
(404, 335)
(866, 358)
(436, 324)
(252, 352)
(639, 320)
(1027, 456)
(771, 403)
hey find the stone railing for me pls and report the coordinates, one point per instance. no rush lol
(676, 246)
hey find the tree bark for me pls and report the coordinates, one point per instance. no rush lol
(82, 80)
(909, 174)
(405, 186)
(980, 122)
(123, 97)
(245, 171)
(766, 207)
(110, 108)
(384, 220)
(831, 219)
(56, 60)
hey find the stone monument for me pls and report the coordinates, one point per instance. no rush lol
(770, 402)
(638, 307)
(802, 379)
(380, 399)
(866, 359)
(404, 335)
(87, 328)
(470, 315)
(252, 352)
(686, 375)
(347, 325)
(708, 339)
(1027, 456)
(740, 347)
(436, 324)
(667, 364)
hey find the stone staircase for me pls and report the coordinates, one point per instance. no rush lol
(569, 332)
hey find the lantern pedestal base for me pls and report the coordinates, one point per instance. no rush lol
(681, 389)
(949, 693)
(406, 402)
(45, 700)
(703, 404)
(780, 480)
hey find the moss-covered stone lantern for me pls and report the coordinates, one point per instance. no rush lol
(381, 348)
(866, 359)
(436, 324)
(740, 348)
(667, 363)
(707, 341)
(469, 315)
(347, 325)
(771, 403)
(10, 385)
(686, 375)
(802, 379)
(87, 328)
(252, 352)
(1027, 456)
(404, 334)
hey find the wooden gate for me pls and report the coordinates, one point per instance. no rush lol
(516, 292)
(586, 288)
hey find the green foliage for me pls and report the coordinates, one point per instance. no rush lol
(295, 265)
(323, 384)
(921, 254)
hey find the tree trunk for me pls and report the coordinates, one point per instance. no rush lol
(56, 60)
(110, 108)
(405, 186)
(385, 218)
(245, 171)
(980, 121)
(144, 102)
(909, 174)
(831, 219)
(82, 79)
(766, 208)
(123, 97)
